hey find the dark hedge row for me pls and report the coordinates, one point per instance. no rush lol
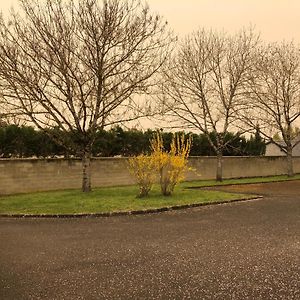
(25, 141)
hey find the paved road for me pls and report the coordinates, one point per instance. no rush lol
(245, 250)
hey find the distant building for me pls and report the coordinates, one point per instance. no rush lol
(274, 150)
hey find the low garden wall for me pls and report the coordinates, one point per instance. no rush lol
(30, 175)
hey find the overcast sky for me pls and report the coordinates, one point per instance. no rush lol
(274, 19)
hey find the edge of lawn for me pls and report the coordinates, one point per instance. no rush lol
(197, 184)
(185, 185)
(133, 212)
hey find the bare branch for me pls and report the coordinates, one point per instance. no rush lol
(203, 84)
(76, 65)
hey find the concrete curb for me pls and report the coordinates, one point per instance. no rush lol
(126, 213)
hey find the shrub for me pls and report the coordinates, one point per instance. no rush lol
(143, 169)
(171, 165)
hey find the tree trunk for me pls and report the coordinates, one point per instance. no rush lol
(289, 158)
(86, 172)
(219, 175)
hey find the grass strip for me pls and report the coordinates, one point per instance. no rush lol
(106, 200)
(122, 199)
(209, 183)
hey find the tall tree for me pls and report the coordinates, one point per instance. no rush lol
(203, 87)
(76, 66)
(274, 97)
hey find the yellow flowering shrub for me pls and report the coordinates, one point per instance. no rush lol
(143, 169)
(171, 165)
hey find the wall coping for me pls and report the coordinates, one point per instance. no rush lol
(30, 159)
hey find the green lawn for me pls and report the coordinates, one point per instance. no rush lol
(119, 199)
(203, 183)
(102, 200)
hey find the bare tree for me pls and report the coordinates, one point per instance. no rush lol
(203, 87)
(77, 65)
(274, 96)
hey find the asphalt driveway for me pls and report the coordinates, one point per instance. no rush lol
(243, 250)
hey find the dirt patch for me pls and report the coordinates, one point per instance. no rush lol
(285, 188)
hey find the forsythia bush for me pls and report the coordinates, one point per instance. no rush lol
(142, 168)
(170, 166)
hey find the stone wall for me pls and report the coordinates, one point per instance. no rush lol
(30, 175)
